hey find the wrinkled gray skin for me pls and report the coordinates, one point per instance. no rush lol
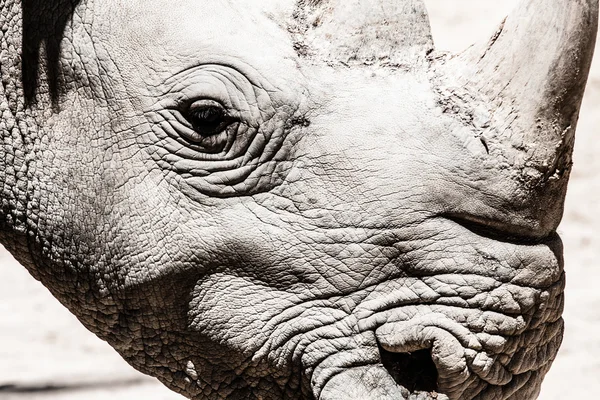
(363, 196)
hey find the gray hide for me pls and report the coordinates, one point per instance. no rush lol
(297, 199)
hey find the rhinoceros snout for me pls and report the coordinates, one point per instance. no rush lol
(429, 354)
(435, 356)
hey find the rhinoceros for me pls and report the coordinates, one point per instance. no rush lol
(296, 199)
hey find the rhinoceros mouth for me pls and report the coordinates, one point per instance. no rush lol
(435, 357)
(415, 370)
(449, 349)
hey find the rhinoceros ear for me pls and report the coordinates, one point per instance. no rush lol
(538, 61)
(372, 32)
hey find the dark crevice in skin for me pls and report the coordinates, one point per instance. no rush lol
(414, 371)
(487, 230)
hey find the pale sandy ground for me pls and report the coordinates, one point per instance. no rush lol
(41, 344)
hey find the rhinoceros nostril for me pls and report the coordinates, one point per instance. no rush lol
(415, 371)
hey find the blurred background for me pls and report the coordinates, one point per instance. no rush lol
(46, 354)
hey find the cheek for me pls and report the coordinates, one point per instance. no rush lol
(233, 310)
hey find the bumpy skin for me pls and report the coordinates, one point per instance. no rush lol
(368, 196)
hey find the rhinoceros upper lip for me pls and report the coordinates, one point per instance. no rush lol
(500, 230)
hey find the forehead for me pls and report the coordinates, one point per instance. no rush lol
(167, 35)
(220, 14)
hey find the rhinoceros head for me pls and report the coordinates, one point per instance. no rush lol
(296, 199)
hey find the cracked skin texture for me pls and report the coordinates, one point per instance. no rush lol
(365, 194)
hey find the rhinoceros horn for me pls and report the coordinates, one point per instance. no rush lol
(530, 79)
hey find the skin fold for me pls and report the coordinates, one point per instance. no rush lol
(296, 199)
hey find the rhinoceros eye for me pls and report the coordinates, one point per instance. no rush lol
(208, 118)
